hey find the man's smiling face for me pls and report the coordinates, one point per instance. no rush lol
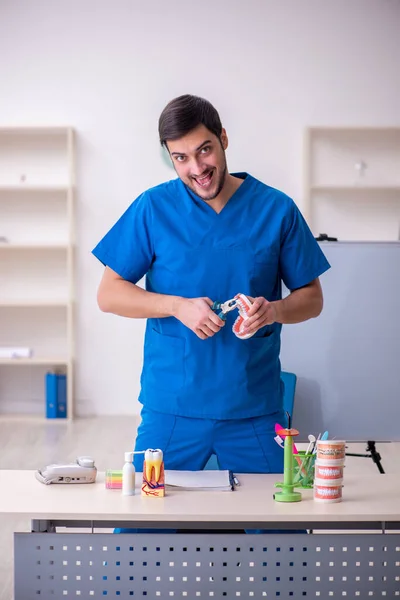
(199, 161)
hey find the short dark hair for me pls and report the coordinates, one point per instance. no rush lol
(185, 113)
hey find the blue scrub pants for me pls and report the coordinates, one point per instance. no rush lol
(241, 445)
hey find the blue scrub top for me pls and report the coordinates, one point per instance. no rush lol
(186, 249)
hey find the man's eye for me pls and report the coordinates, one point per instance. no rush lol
(179, 158)
(205, 149)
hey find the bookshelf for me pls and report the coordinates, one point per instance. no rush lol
(352, 182)
(37, 183)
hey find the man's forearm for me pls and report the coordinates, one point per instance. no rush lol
(300, 305)
(126, 299)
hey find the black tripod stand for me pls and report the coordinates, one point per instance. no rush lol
(376, 457)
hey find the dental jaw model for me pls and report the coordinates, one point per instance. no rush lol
(153, 474)
(243, 304)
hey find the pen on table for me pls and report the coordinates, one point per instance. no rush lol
(232, 481)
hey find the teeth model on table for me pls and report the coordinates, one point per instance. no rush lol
(153, 474)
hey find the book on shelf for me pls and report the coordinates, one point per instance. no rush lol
(56, 395)
(200, 481)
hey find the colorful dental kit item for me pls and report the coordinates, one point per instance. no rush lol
(113, 479)
(287, 494)
(331, 451)
(329, 467)
(153, 474)
(304, 469)
(327, 491)
(279, 439)
(329, 472)
(243, 304)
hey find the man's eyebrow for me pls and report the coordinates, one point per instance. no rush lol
(196, 150)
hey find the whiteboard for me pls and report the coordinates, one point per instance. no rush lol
(348, 359)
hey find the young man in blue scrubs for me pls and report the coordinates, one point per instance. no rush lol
(209, 235)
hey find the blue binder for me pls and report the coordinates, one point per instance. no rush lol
(51, 395)
(56, 396)
(61, 396)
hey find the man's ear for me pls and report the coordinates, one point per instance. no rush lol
(224, 139)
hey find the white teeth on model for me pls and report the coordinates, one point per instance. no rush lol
(243, 304)
(328, 491)
(327, 472)
(151, 454)
(244, 307)
(331, 452)
(153, 459)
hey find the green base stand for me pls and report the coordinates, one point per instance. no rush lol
(287, 494)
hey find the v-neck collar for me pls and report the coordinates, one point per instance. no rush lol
(207, 209)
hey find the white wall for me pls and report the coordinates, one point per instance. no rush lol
(108, 68)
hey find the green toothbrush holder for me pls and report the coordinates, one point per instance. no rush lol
(304, 469)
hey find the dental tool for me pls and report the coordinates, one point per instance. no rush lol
(312, 439)
(279, 441)
(287, 493)
(223, 307)
(243, 304)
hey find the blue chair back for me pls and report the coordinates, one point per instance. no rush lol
(289, 381)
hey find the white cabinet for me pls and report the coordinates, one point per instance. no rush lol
(352, 182)
(36, 264)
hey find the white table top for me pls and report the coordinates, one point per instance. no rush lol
(367, 496)
(372, 497)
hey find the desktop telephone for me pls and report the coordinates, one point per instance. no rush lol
(82, 470)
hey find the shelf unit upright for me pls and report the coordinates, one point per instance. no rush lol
(352, 182)
(37, 181)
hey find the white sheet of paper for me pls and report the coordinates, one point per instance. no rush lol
(198, 480)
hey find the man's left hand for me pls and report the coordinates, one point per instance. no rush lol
(260, 314)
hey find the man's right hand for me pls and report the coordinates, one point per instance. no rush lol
(197, 315)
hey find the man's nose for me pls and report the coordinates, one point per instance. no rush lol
(198, 166)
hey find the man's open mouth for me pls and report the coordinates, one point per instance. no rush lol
(205, 180)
